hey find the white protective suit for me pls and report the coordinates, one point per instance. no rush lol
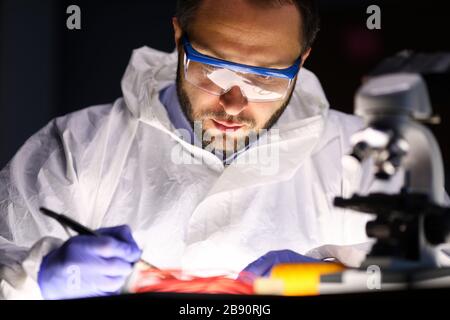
(114, 164)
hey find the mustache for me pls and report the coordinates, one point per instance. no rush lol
(223, 116)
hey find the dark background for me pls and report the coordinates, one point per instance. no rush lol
(47, 70)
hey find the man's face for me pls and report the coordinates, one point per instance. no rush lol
(237, 31)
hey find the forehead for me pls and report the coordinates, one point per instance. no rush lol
(240, 31)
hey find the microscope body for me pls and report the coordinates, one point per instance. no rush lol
(408, 224)
(397, 105)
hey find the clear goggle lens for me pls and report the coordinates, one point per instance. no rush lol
(219, 80)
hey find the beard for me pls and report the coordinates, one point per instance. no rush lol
(223, 145)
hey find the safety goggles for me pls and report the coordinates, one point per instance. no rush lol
(217, 76)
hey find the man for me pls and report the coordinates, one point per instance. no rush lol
(217, 154)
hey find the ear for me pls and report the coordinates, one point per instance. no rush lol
(178, 32)
(305, 56)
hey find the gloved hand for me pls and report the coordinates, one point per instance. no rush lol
(262, 266)
(88, 266)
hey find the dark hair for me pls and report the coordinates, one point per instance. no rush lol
(186, 10)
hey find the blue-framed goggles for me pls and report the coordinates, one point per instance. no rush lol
(217, 76)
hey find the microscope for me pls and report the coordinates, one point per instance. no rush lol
(409, 225)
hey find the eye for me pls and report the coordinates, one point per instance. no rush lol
(207, 68)
(262, 78)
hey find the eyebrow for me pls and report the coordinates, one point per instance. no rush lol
(209, 52)
(215, 54)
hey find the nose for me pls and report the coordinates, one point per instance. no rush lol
(233, 101)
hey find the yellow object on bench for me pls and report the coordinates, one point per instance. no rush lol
(296, 279)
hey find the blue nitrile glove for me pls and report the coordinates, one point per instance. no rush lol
(262, 266)
(89, 266)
